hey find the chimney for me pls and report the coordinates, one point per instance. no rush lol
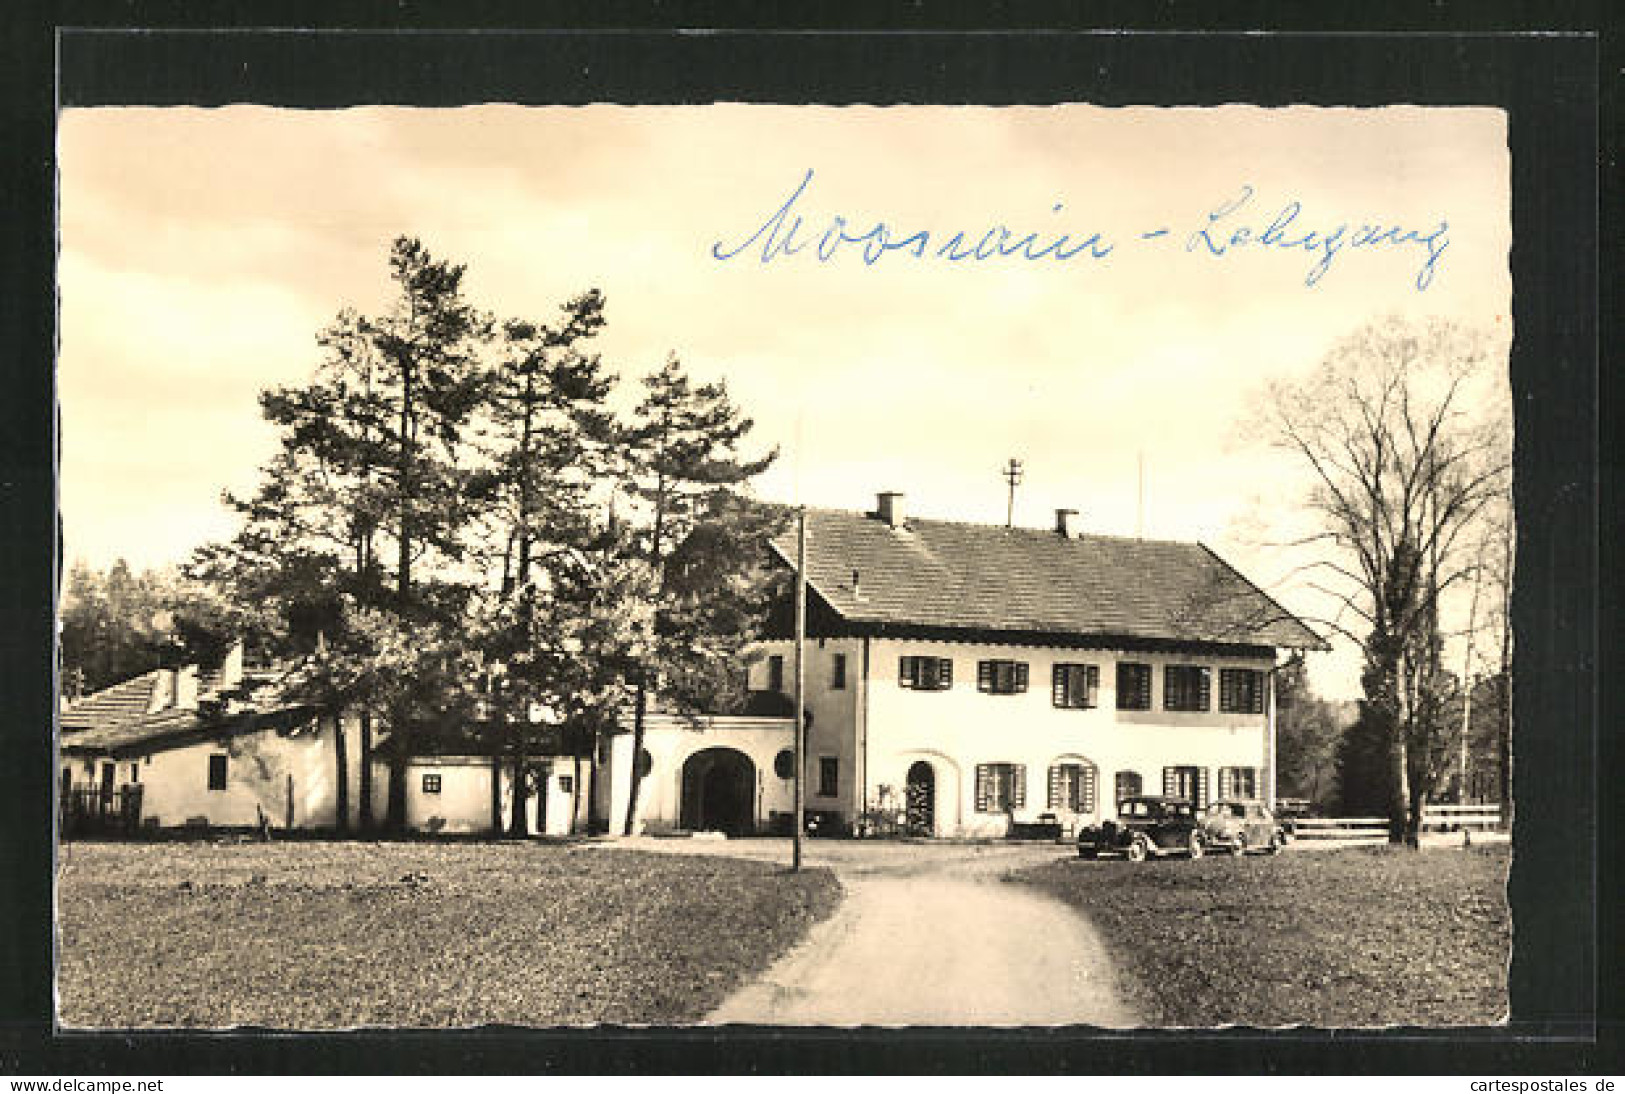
(186, 688)
(1066, 523)
(231, 668)
(889, 507)
(163, 691)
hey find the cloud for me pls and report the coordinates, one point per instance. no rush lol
(203, 249)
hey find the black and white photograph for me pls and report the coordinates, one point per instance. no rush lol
(784, 565)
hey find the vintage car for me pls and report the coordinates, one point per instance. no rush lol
(1145, 827)
(1242, 825)
(1289, 811)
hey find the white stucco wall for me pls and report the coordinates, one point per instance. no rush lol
(285, 775)
(267, 770)
(463, 803)
(956, 729)
(834, 713)
(671, 740)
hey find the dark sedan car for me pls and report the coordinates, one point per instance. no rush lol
(1145, 827)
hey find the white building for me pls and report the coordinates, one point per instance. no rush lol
(959, 677)
(966, 676)
(180, 748)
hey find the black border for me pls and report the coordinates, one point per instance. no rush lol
(1549, 84)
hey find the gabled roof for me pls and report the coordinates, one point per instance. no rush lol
(130, 699)
(176, 727)
(142, 713)
(977, 577)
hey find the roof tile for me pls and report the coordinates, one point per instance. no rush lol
(985, 577)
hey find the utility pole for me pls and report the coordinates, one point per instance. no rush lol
(801, 683)
(1012, 475)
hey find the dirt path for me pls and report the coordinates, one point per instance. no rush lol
(929, 935)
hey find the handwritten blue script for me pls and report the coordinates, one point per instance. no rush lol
(1226, 229)
(780, 236)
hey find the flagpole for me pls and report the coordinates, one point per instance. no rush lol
(801, 680)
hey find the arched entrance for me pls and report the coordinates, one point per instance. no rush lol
(719, 792)
(921, 799)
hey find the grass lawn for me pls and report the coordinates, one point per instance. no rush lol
(315, 935)
(1357, 937)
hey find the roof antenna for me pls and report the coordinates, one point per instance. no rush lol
(1012, 475)
(1139, 508)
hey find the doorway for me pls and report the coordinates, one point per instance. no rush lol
(921, 799)
(719, 792)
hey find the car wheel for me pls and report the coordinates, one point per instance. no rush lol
(1137, 849)
(1238, 846)
(1276, 843)
(1194, 846)
(1090, 854)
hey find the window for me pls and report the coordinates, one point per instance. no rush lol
(1187, 687)
(1189, 783)
(775, 673)
(567, 784)
(1075, 687)
(431, 784)
(135, 771)
(925, 673)
(1133, 686)
(1000, 787)
(217, 772)
(1238, 782)
(1129, 785)
(1072, 787)
(829, 776)
(1241, 691)
(837, 672)
(1001, 677)
(784, 764)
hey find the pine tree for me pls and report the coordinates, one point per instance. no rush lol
(354, 534)
(545, 439)
(699, 537)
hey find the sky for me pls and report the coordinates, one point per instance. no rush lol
(201, 250)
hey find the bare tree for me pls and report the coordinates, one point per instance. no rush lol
(1404, 431)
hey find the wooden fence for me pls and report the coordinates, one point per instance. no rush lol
(92, 811)
(1435, 818)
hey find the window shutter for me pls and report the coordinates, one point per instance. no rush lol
(1086, 790)
(1170, 781)
(902, 671)
(984, 676)
(1057, 688)
(1018, 785)
(1091, 685)
(1021, 676)
(1055, 788)
(1204, 690)
(945, 672)
(984, 787)
(1202, 795)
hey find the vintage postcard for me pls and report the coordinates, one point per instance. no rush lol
(777, 565)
